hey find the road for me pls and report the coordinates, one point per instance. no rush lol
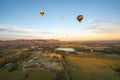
(66, 73)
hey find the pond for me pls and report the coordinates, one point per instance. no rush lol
(8, 64)
(65, 49)
(33, 59)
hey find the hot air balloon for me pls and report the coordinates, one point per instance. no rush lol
(30, 41)
(91, 50)
(62, 17)
(79, 18)
(41, 12)
(66, 35)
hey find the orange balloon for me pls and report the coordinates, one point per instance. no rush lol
(79, 18)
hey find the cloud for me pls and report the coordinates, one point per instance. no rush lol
(14, 36)
(91, 20)
(105, 27)
(14, 32)
(13, 28)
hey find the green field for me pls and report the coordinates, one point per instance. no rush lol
(90, 67)
(28, 75)
(8, 73)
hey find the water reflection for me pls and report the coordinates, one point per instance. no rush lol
(65, 49)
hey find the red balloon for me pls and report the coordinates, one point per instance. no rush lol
(30, 41)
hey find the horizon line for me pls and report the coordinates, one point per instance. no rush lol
(61, 40)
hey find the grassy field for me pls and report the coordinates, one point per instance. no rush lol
(6, 74)
(28, 75)
(90, 67)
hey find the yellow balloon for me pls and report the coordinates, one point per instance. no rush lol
(42, 12)
(62, 17)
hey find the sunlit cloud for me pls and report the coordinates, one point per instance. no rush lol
(105, 27)
(97, 30)
(14, 32)
(22, 30)
(14, 36)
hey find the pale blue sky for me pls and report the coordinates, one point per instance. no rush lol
(21, 19)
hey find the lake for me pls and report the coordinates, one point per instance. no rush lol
(65, 49)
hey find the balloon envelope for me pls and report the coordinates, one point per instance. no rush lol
(41, 12)
(30, 41)
(79, 18)
(62, 17)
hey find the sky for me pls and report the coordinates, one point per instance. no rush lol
(21, 19)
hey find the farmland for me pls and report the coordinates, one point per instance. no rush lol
(40, 60)
(90, 67)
